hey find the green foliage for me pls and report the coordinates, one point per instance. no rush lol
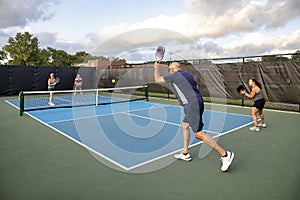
(59, 57)
(23, 49)
(2, 55)
(296, 56)
(80, 57)
(274, 58)
(44, 58)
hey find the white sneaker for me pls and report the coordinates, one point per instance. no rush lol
(51, 104)
(263, 125)
(226, 161)
(181, 156)
(254, 128)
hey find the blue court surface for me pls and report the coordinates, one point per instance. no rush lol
(132, 134)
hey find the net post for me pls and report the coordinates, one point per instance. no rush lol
(147, 92)
(97, 93)
(21, 97)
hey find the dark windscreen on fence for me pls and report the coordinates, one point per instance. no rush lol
(280, 79)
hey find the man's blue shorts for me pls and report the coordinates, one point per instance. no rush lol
(193, 114)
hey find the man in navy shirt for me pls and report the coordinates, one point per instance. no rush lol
(186, 90)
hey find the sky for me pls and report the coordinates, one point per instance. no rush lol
(132, 29)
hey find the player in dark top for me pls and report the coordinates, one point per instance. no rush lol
(186, 90)
(259, 103)
(51, 87)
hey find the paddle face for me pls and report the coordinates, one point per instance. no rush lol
(159, 54)
(240, 88)
(57, 80)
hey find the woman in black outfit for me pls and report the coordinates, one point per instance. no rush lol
(259, 103)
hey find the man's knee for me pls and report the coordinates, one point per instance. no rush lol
(200, 135)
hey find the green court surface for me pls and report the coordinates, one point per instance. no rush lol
(37, 162)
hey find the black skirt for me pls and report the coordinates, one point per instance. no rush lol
(259, 104)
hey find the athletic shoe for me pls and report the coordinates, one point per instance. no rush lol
(226, 161)
(51, 104)
(181, 156)
(263, 125)
(254, 128)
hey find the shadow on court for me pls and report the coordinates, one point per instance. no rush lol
(38, 163)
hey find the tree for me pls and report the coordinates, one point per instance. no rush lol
(296, 56)
(2, 57)
(80, 57)
(22, 49)
(274, 58)
(59, 57)
(44, 58)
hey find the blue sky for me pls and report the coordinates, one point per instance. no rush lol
(132, 29)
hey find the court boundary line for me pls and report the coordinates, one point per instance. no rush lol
(74, 140)
(157, 120)
(161, 121)
(231, 105)
(80, 143)
(190, 146)
(143, 163)
(163, 105)
(79, 118)
(225, 105)
(148, 161)
(249, 108)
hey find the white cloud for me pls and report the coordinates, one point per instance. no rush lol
(281, 11)
(289, 41)
(47, 39)
(217, 28)
(212, 18)
(17, 15)
(20, 12)
(215, 19)
(258, 43)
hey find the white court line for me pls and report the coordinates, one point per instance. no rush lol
(81, 144)
(249, 108)
(157, 120)
(140, 164)
(217, 134)
(13, 105)
(234, 106)
(140, 116)
(100, 115)
(162, 105)
(192, 145)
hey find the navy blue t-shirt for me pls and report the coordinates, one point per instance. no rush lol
(184, 86)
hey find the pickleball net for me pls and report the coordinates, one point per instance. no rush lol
(39, 100)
